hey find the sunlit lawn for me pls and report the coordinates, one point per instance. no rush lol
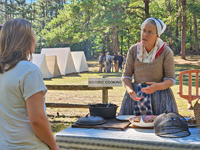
(85, 97)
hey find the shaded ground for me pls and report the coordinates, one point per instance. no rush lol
(187, 61)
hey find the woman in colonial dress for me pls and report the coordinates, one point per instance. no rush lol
(151, 63)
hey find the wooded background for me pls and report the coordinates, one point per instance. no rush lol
(93, 26)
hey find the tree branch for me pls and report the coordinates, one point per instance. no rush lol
(107, 35)
(107, 43)
(137, 8)
(135, 13)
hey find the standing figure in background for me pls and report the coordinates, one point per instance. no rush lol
(24, 124)
(120, 61)
(116, 62)
(109, 60)
(105, 64)
(101, 62)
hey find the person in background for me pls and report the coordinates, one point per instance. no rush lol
(109, 60)
(116, 62)
(151, 62)
(124, 62)
(101, 62)
(23, 121)
(105, 64)
(120, 61)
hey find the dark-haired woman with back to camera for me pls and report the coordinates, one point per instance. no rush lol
(23, 121)
(152, 64)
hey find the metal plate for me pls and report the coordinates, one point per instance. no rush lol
(124, 117)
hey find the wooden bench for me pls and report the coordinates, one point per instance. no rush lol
(76, 87)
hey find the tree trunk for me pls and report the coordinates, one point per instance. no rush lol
(191, 43)
(115, 41)
(56, 12)
(6, 16)
(170, 36)
(51, 14)
(80, 46)
(40, 37)
(146, 2)
(121, 45)
(61, 44)
(34, 10)
(103, 48)
(195, 33)
(169, 26)
(31, 11)
(177, 33)
(128, 39)
(43, 16)
(108, 42)
(183, 29)
(87, 48)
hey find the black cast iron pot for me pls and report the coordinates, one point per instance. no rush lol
(103, 111)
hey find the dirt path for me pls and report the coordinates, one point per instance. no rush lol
(188, 62)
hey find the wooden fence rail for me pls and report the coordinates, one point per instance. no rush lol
(76, 87)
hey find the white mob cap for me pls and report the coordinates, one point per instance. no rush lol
(160, 25)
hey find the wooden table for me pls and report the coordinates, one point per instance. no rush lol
(129, 139)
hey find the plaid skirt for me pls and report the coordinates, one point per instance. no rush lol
(160, 101)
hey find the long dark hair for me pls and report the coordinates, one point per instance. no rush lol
(15, 43)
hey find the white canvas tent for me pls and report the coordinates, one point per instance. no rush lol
(53, 65)
(80, 61)
(64, 58)
(40, 61)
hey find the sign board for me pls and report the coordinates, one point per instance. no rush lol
(104, 82)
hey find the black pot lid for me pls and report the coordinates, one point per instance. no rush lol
(90, 120)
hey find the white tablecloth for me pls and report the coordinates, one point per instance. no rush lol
(131, 138)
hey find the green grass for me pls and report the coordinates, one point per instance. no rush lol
(115, 95)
